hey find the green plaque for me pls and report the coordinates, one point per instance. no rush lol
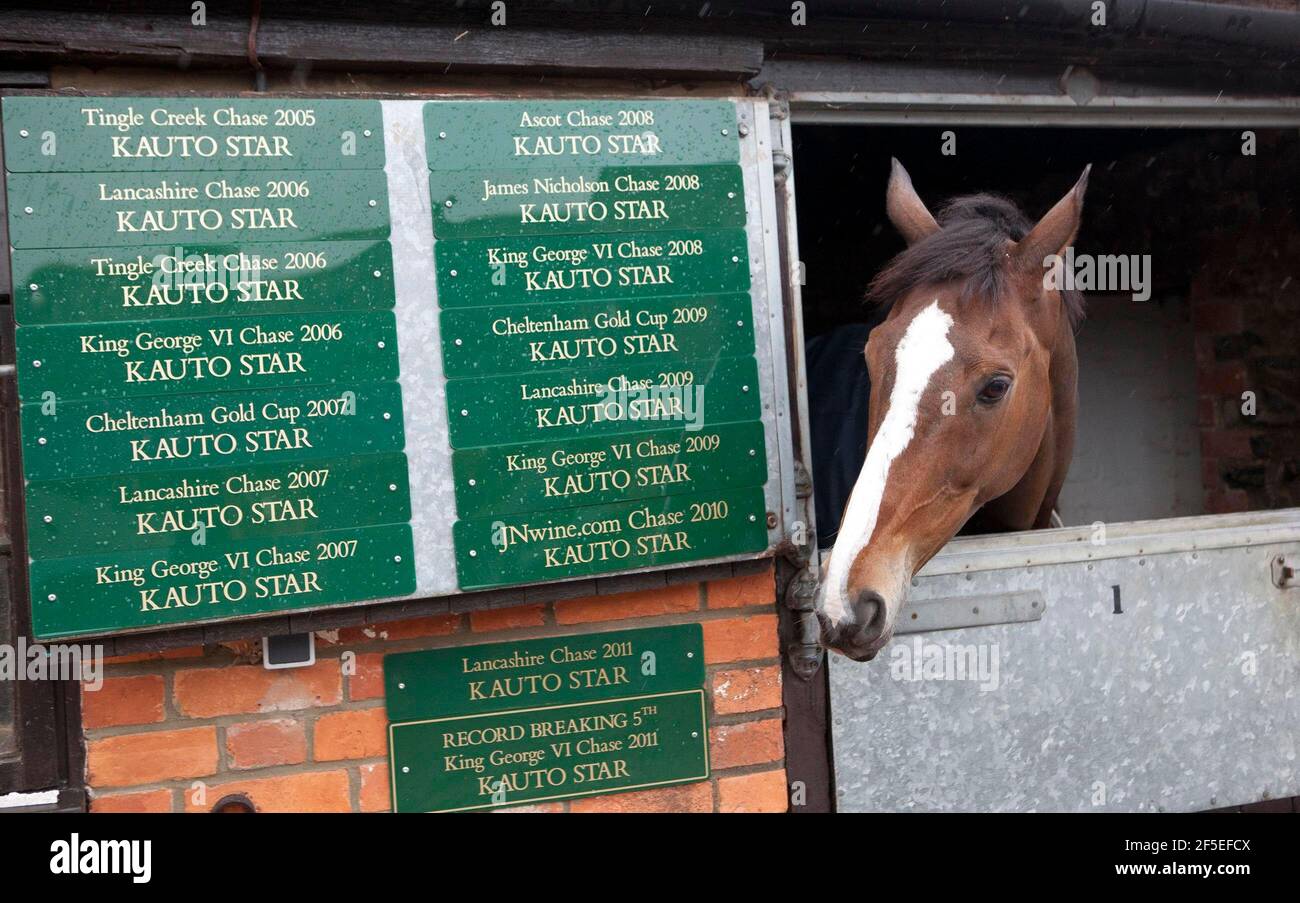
(565, 404)
(66, 439)
(217, 506)
(476, 203)
(187, 584)
(591, 667)
(157, 134)
(554, 717)
(82, 210)
(205, 355)
(164, 281)
(539, 134)
(577, 542)
(553, 269)
(523, 756)
(486, 340)
(538, 476)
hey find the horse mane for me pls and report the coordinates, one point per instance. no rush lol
(969, 246)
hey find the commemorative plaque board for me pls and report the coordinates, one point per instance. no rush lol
(207, 359)
(593, 275)
(505, 724)
(233, 312)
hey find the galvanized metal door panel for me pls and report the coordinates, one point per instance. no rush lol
(1183, 696)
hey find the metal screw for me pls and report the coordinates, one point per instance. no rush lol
(36, 363)
(48, 519)
(453, 272)
(27, 209)
(397, 558)
(744, 388)
(40, 441)
(401, 686)
(459, 342)
(366, 133)
(381, 344)
(464, 413)
(387, 416)
(34, 287)
(473, 482)
(473, 553)
(448, 202)
(378, 274)
(52, 597)
(725, 132)
(392, 487)
(23, 132)
(373, 202)
(442, 134)
(752, 518)
(743, 129)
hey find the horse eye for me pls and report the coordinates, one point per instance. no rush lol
(994, 390)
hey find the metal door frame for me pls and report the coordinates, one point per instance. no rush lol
(832, 98)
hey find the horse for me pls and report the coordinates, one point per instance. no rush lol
(971, 416)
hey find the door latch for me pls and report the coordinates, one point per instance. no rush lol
(1284, 573)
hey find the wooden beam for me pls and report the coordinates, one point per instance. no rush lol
(29, 35)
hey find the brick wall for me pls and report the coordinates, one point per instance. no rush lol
(178, 731)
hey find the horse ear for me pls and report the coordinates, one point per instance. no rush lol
(905, 208)
(1056, 230)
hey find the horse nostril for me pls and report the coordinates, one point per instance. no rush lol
(869, 609)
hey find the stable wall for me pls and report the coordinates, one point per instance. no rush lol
(179, 731)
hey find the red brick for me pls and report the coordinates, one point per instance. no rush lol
(368, 681)
(750, 743)
(261, 744)
(123, 700)
(375, 796)
(734, 592)
(1222, 379)
(242, 689)
(507, 618)
(1228, 501)
(739, 639)
(152, 757)
(361, 734)
(761, 792)
(746, 689)
(1217, 317)
(681, 798)
(144, 801)
(169, 654)
(641, 604)
(313, 791)
(1225, 444)
(413, 628)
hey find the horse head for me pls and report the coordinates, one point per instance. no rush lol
(972, 402)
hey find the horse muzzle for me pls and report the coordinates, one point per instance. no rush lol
(863, 631)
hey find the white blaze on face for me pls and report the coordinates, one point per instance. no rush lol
(923, 350)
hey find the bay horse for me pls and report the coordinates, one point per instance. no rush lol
(971, 417)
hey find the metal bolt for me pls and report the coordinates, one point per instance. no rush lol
(459, 342)
(23, 132)
(752, 452)
(448, 202)
(373, 202)
(453, 272)
(406, 769)
(473, 553)
(442, 134)
(366, 133)
(48, 519)
(401, 686)
(392, 487)
(752, 518)
(34, 287)
(378, 274)
(464, 413)
(473, 482)
(52, 597)
(744, 388)
(40, 441)
(397, 558)
(27, 209)
(36, 363)
(381, 344)
(771, 520)
(725, 132)
(743, 129)
(387, 416)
